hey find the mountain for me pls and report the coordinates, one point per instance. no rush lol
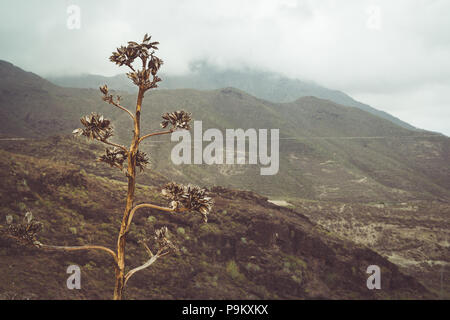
(269, 86)
(327, 151)
(360, 177)
(249, 249)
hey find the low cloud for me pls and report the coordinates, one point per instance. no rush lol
(390, 54)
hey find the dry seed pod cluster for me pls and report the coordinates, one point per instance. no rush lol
(125, 55)
(107, 96)
(141, 160)
(95, 127)
(141, 79)
(178, 119)
(115, 157)
(26, 232)
(188, 197)
(162, 240)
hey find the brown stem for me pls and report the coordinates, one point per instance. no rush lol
(123, 108)
(78, 248)
(147, 205)
(142, 267)
(155, 134)
(131, 174)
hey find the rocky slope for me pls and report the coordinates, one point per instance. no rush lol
(413, 235)
(250, 248)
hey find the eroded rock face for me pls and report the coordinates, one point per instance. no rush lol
(295, 258)
(412, 235)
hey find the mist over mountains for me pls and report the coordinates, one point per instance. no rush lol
(269, 86)
(313, 135)
(371, 181)
(327, 150)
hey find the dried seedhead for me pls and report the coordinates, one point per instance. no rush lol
(142, 160)
(95, 127)
(109, 97)
(25, 232)
(178, 119)
(188, 197)
(163, 242)
(115, 157)
(126, 55)
(142, 79)
(154, 64)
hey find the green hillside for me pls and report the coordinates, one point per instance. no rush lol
(365, 181)
(250, 248)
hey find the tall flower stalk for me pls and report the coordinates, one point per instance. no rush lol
(144, 65)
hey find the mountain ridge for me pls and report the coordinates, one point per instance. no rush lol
(312, 131)
(262, 84)
(249, 249)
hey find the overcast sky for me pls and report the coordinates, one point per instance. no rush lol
(393, 55)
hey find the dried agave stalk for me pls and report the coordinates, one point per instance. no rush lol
(141, 160)
(181, 198)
